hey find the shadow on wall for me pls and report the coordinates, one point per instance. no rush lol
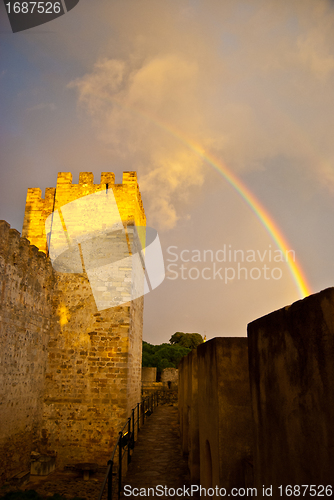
(207, 473)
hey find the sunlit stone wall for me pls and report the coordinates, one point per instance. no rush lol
(93, 375)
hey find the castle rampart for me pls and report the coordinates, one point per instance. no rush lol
(291, 378)
(215, 412)
(264, 420)
(27, 281)
(87, 358)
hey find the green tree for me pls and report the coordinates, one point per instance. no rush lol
(163, 355)
(188, 340)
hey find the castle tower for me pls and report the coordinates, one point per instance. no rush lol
(93, 375)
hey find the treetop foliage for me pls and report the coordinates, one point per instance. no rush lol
(163, 355)
(189, 340)
(169, 355)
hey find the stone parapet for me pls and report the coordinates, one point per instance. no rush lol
(292, 385)
(215, 412)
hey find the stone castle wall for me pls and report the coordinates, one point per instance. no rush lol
(215, 412)
(170, 377)
(264, 421)
(88, 377)
(149, 381)
(93, 376)
(27, 282)
(224, 411)
(134, 350)
(127, 196)
(292, 385)
(78, 373)
(149, 374)
(188, 412)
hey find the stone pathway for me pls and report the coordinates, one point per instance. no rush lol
(157, 461)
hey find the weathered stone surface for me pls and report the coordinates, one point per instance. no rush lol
(70, 373)
(156, 460)
(188, 412)
(127, 196)
(94, 367)
(215, 412)
(42, 465)
(170, 377)
(149, 374)
(291, 354)
(224, 411)
(27, 282)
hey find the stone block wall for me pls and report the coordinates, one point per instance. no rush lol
(127, 196)
(87, 376)
(134, 353)
(26, 284)
(93, 374)
(170, 378)
(149, 374)
(291, 353)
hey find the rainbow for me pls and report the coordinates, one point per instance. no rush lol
(261, 213)
(264, 217)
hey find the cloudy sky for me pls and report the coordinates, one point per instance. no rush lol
(182, 91)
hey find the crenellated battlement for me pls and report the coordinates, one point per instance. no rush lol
(17, 250)
(127, 196)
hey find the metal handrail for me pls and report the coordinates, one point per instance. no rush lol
(125, 442)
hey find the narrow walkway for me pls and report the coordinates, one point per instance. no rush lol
(157, 458)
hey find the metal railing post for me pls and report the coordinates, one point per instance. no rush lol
(138, 418)
(120, 464)
(110, 480)
(129, 439)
